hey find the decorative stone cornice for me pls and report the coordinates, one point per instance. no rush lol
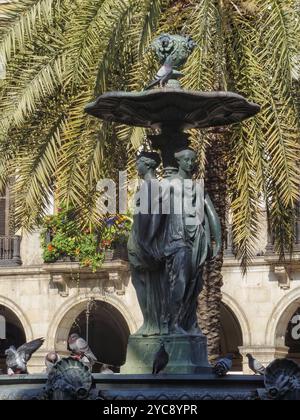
(31, 270)
(113, 275)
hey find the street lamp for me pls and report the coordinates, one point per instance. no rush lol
(90, 304)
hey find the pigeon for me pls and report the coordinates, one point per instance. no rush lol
(255, 365)
(223, 365)
(16, 359)
(50, 360)
(161, 360)
(164, 74)
(105, 369)
(81, 350)
(85, 361)
(172, 51)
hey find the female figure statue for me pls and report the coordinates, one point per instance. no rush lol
(143, 249)
(196, 226)
(168, 249)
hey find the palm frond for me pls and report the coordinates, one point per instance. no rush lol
(107, 18)
(34, 186)
(272, 141)
(23, 16)
(283, 149)
(150, 16)
(70, 173)
(34, 85)
(202, 25)
(280, 27)
(247, 166)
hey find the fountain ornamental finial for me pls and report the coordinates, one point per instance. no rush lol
(172, 52)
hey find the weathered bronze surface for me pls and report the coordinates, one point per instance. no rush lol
(159, 108)
(167, 250)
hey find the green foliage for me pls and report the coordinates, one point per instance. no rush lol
(115, 231)
(62, 239)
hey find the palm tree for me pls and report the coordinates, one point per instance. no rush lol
(60, 54)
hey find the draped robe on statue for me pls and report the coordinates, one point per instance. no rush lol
(145, 256)
(167, 253)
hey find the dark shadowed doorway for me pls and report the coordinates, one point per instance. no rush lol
(13, 332)
(231, 336)
(107, 335)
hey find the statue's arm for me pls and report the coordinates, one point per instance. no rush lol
(214, 224)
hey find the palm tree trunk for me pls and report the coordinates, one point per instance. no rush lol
(211, 296)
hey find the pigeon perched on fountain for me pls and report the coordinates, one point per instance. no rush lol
(105, 369)
(255, 365)
(161, 360)
(164, 74)
(17, 359)
(223, 365)
(81, 350)
(172, 52)
(50, 361)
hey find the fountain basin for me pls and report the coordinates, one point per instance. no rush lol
(165, 107)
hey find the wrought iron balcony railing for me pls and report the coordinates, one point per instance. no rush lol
(10, 250)
(269, 251)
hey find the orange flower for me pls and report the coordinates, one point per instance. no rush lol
(87, 262)
(106, 243)
(50, 248)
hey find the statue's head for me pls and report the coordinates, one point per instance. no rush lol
(186, 159)
(170, 171)
(146, 162)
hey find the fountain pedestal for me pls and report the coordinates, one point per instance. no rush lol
(188, 354)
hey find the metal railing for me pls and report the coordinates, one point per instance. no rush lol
(10, 250)
(270, 247)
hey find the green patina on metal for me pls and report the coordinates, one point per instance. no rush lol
(167, 251)
(174, 49)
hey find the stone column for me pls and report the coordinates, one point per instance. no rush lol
(265, 354)
(270, 244)
(228, 252)
(17, 250)
(37, 362)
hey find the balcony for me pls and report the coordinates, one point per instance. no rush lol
(10, 251)
(269, 252)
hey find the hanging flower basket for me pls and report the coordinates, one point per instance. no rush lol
(115, 236)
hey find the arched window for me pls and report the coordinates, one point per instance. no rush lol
(107, 332)
(14, 334)
(231, 336)
(292, 337)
